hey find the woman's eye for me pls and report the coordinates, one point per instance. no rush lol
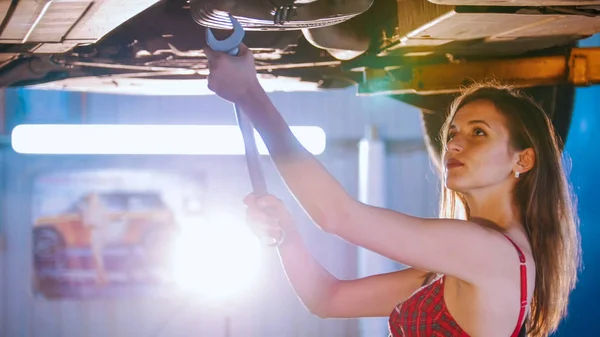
(478, 132)
(450, 136)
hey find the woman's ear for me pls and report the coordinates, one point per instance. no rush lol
(526, 160)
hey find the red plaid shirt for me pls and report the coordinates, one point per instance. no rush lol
(425, 314)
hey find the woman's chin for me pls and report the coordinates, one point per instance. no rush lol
(454, 185)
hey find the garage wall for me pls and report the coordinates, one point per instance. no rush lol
(271, 309)
(582, 151)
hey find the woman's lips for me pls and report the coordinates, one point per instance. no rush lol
(454, 163)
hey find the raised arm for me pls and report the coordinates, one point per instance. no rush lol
(328, 297)
(322, 293)
(458, 248)
(454, 247)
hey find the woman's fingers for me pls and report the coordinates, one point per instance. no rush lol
(257, 215)
(267, 216)
(225, 69)
(269, 201)
(271, 230)
(244, 51)
(265, 227)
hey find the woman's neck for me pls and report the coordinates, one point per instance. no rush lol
(495, 210)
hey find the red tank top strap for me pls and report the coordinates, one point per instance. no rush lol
(523, 286)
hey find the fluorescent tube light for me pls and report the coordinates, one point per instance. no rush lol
(147, 139)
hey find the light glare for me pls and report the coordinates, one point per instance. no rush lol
(147, 139)
(218, 260)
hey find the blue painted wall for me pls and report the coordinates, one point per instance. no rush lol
(584, 153)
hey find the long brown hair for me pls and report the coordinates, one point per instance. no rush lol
(543, 196)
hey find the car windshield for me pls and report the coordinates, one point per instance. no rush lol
(125, 202)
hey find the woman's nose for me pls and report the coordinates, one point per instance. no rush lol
(455, 144)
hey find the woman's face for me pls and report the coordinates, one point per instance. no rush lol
(478, 153)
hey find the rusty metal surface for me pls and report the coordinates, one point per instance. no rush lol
(483, 30)
(66, 20)
(581, 67)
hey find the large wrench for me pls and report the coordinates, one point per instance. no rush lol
(230, 46)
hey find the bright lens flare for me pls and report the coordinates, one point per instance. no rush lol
(217, 260)
(77, 139)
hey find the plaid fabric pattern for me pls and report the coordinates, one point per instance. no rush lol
(425, 314)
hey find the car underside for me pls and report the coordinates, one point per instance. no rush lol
(331, 44)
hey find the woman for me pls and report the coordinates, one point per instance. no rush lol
(512, 259)
(95, 217)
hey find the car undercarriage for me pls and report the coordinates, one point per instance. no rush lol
(381, 46)
(311, 40)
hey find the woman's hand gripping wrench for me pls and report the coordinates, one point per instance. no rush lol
(230, 46)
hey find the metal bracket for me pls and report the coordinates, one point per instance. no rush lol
(282, 14)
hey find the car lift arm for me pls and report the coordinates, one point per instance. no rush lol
(580, 67)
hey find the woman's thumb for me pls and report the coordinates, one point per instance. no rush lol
(244, 50)
(210, 54)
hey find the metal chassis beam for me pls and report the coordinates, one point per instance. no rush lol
(580, 67)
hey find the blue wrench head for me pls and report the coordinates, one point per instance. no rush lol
(229, 45)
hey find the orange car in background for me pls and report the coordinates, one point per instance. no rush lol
(137, 231)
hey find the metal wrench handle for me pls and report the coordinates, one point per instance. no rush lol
(257, 177)
(259, 186)
(230, 46)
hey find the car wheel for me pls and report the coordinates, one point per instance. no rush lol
(48, 247)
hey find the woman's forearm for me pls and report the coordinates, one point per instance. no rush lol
(313, 284)
(317, 191)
